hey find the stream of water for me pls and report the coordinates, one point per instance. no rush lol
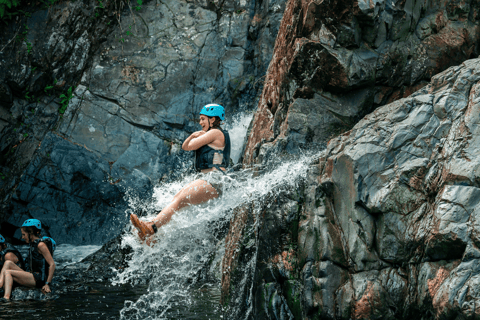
(187, 244)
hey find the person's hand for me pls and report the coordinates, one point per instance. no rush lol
(46, 289)
(198, 133)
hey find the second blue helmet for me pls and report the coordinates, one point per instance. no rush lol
(2, 239)
(32, 223)
(213, 110)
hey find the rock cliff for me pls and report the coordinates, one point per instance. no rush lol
(96, 99)
(386, 226)
(337, 60)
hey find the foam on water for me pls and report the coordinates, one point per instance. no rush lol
(184, 245)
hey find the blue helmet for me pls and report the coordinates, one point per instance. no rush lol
(212, 110)
(2, 239)
(33, 223)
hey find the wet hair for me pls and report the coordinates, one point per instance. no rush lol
(216, 122)
(32, 230)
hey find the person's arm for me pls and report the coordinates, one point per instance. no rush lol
(202, 138)
(11, 256)
(194, 135)
(42, 248)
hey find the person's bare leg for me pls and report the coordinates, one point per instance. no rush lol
(197, 192)
(22, 277)
(8, 265)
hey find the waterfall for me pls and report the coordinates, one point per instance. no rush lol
(188, 243)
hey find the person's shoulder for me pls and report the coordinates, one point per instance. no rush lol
(217, 131)
(42, 245)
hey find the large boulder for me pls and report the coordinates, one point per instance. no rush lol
(337, 60)
(385, 225)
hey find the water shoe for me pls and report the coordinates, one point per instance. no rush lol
(144, 228)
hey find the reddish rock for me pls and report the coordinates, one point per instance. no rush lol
(339, 47)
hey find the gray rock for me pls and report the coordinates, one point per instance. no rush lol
(139, 85)
(388, 225)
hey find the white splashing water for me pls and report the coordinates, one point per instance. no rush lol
(237, 129)
(183, 246)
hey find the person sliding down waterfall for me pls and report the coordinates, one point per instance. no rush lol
(39, 263)
(212, 156)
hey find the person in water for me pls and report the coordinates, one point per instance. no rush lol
(10, 253)
(212, 156)
(39, 267)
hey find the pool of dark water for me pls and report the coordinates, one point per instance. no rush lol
(103, 301)
(99, 302)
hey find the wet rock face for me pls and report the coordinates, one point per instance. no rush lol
(387, 225)
(335, 61)
(48, 44)
(138, 82)
(44, 53)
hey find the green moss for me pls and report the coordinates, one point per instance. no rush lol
(293, 297)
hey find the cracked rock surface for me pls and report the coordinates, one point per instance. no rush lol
(386, 225)
(140, 79)
(337, 60)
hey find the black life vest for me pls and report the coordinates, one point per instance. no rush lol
(204, 155)
(17, 253)
(35, 262)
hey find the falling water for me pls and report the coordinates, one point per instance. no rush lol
(237, 129)
(186, 245)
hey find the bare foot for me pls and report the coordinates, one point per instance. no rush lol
(144, 228)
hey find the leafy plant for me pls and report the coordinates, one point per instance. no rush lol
(47, 88)
(49, 3)
(8, 4)
(29, 47)
(26, 13)
(139, 2)
(64, 100)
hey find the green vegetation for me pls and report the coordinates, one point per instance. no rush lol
(6, 6)
(139, 2)
(129, 32)
(65, 99)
